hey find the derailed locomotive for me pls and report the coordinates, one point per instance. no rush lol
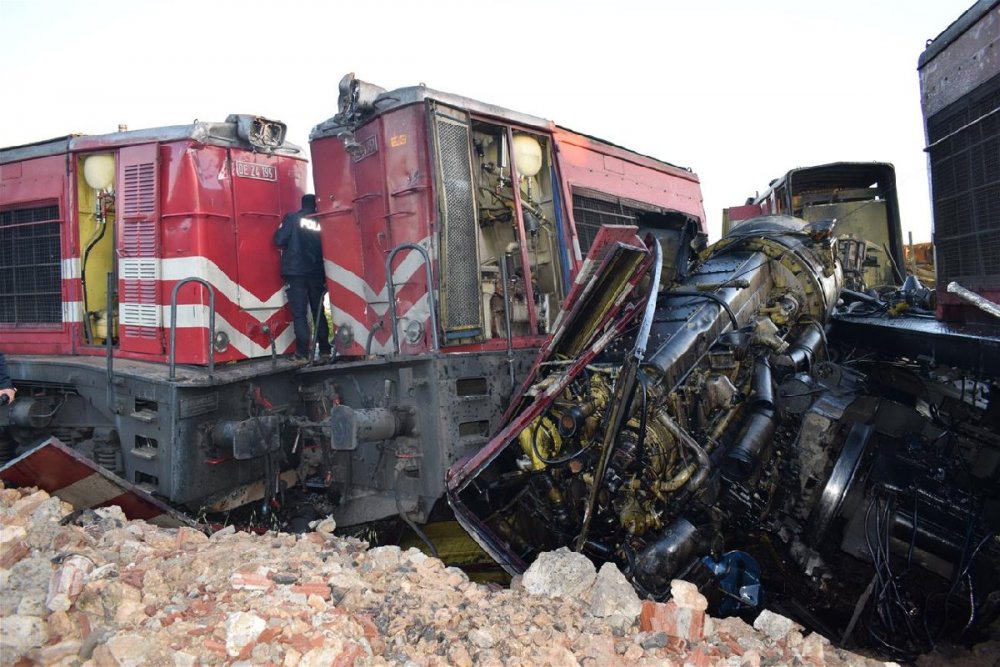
(712, 431)
(452, 230)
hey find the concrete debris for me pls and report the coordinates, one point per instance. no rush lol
(774, 625)
(560, 574)
(613, 598)
(102, 590)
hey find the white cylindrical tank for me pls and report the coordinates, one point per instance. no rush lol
(527, 155)
(99, 171)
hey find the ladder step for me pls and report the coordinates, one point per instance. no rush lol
(148, 416)
(145, 453)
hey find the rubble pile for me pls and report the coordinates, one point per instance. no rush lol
(95, 589)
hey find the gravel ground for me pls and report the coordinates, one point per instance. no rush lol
(102, 590)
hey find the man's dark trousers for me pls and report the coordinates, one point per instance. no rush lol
(305, 295)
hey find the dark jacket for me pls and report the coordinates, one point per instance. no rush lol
(301, 251)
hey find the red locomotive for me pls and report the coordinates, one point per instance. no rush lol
(155, 207)
(452, 230)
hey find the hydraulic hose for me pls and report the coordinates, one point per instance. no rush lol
(83, 284)
(803, 351)
(742, 457)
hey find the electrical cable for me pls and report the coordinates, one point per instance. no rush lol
(408, 521)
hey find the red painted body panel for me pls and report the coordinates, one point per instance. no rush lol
(65, 473)
(209, 212)
(952, 308)
(592, 164)
(367, 207)
(386, 195)
(219, 225)
(37, 182)
(745, 212)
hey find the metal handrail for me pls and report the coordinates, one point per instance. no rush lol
(392, 293)
(211, 324)
(109, 345)
(506, 320)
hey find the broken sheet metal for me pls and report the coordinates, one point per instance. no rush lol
(62, 472)
(602, 302)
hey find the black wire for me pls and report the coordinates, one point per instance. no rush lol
(565, 459)
(975, 552)
(409, 522)
(972, 605)
(879, 609)
(640, 446)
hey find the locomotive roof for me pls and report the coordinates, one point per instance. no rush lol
(833, 174)
(401, 97)
(226, 133)
(352, 115)
(969, 18)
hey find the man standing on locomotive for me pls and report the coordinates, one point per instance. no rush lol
(305, 279)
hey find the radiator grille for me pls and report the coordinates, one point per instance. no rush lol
(30, 277)
(460, 304)
(591, 213)
(965, 175)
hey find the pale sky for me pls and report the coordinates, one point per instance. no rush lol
(740, 92)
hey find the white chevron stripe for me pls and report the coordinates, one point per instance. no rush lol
(196, 316)
(350, 281)
(355, 284)
(178, 268)
(418, 311)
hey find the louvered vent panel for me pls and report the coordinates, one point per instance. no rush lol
(138, 266)
(143, 318)
(461, 263)
(139, 238)
(591, 213)
(139, 196)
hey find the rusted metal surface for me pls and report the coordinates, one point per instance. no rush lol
(62, 472)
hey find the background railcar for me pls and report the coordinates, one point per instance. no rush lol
(959, 97)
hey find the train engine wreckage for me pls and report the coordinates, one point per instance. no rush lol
(710, 430)
(767, 417)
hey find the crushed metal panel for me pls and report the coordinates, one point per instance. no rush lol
(62, 472)
(616, 264)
